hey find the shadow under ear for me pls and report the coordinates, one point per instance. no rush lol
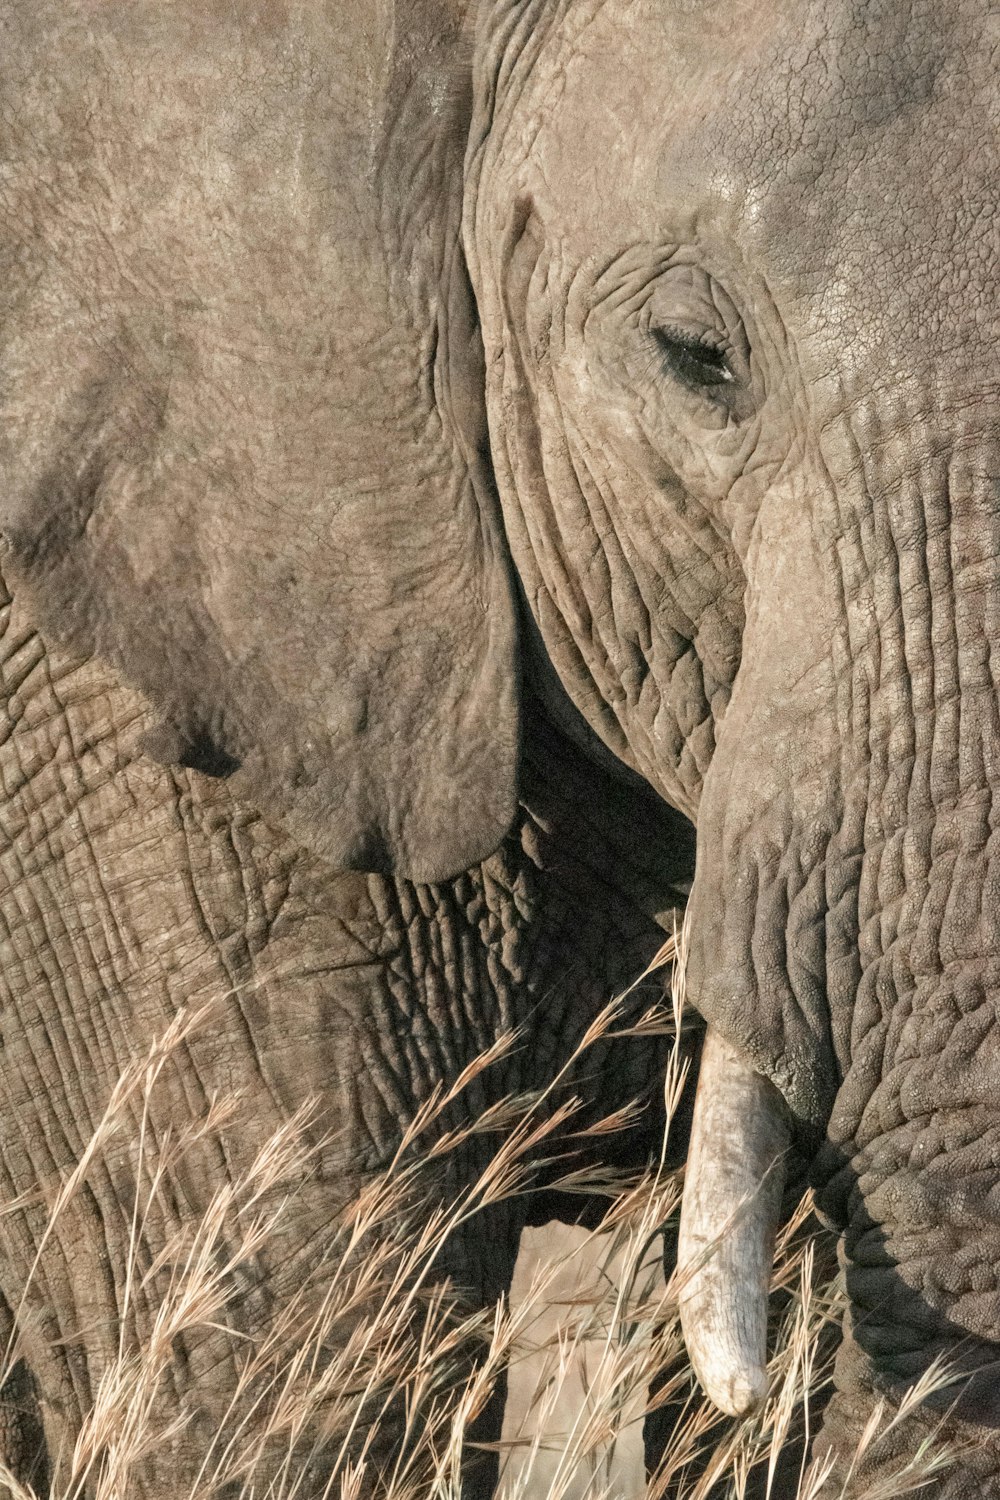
(23, 1450)
(198, 751)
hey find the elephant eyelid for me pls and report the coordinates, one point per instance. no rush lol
(695, 363)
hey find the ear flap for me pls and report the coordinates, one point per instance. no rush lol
(348, 658)
(242, 456)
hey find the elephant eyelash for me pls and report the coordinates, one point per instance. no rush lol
(698, 365)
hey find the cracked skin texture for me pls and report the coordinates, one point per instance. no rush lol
(245, 473)
(130, 890)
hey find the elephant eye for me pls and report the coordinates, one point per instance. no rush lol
(693, 363)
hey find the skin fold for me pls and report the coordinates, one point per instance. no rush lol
(381, 713)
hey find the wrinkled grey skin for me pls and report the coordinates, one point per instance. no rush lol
(301, 719)
(265, 740)
(777, 596)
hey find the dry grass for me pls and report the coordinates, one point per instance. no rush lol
(376, 1337)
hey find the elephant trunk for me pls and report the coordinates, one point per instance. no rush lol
(845, 921)
(910, 1170)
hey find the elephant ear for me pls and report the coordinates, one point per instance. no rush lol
(241, 416)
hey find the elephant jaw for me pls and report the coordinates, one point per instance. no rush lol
(729, 1217)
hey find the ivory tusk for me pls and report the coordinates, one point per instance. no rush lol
(729, 1217)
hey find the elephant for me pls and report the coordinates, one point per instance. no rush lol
(465, 498)
(266, 746)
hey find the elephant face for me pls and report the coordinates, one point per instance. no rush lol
(240, 405)
(737, 277)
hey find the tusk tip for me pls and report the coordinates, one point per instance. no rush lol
(738, 1394)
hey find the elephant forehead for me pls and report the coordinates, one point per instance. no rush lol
(608, 116)
(868, 144)
(847, 151)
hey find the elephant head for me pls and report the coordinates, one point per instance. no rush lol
(733, 529)
(736, 269)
